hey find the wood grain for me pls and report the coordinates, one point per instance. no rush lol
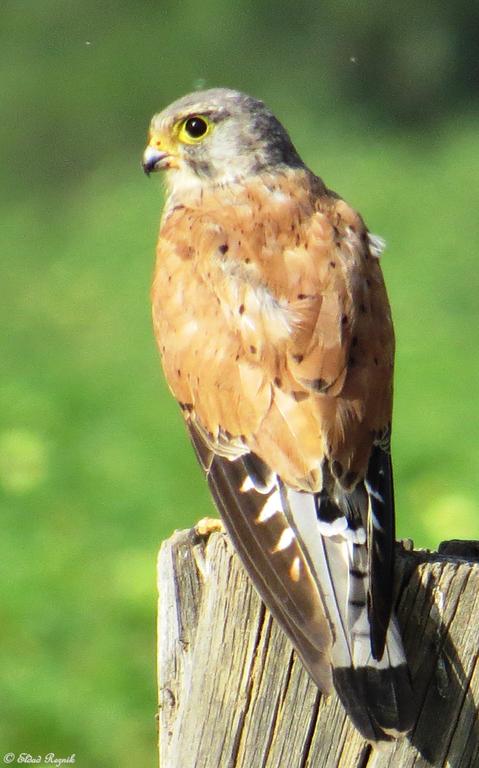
(233, 694)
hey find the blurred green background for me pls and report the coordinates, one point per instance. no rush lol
(95, 470)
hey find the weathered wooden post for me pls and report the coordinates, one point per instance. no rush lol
(233, 694)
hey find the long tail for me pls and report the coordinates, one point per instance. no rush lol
(326, 575)
(374, 686)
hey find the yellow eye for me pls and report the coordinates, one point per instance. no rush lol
(194, 129)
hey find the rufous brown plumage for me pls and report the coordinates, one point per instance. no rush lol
(276, 339)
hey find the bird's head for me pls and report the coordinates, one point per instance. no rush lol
(216, 136)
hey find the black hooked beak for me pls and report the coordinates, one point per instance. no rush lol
(152, 160)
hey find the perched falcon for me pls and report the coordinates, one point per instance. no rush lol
(275, 333)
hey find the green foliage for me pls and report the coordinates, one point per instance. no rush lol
(95, 469)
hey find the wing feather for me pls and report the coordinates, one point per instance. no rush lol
(315, 586)
(381, 540)
(295, 602)
(286, 399)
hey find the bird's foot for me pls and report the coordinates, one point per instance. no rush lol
(208, 525)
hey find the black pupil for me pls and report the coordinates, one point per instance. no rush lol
(195, 127)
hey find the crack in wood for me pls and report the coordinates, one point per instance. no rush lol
(364, 756)
(249, 691)
(233, 695)
(310, 733)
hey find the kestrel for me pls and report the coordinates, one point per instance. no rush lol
(275, 333)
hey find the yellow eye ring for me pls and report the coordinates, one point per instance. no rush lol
(193, 129)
